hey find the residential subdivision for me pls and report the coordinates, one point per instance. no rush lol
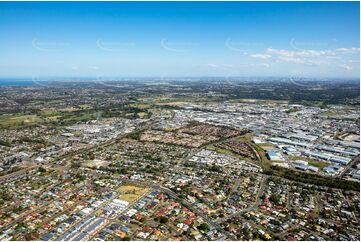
(176, 165)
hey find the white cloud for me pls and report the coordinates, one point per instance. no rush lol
(302, 61)
(284, 53)
(290, 53)
(228, 66)
(308, 60)
(346, 67)
(347, 50)
(212, 65)
(312, 53)
(260, 56)
(333, 57)
(292, 59)
(352, 61)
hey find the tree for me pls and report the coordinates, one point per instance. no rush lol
(275, 198)
(5, 143)
(215, 168)
(74, 165)
(163, 220)
(42, 169)
(91, 155)
(203, 226)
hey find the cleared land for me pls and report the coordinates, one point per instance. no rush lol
(312, 162)
(131, 192)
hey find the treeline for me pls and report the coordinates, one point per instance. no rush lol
(134, 135)
(5, 143)
(333, 182)
(328, 93)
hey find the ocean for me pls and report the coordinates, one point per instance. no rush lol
(16, 82)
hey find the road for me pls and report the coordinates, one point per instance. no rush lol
(41, 206)
(234, 187)
(254, 206)
(113, 218)
(192, 208)
(17, 174)
(349, 165)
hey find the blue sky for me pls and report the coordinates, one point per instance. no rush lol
(311, 39)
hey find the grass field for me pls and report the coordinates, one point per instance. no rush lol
(222, 151)
(159, 100)
(140, 105)
(130, 193)
(265, 163)
(266, 146)
(54, 117)
(15, 121)
(259, 101)
(312, 162)
(141, 114)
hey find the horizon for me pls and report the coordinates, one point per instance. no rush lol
(11, 81)
(177, 39)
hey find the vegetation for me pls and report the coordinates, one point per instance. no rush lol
(17, 121)
(131, 192)
(312, 162)
(275, 198)
(5, 143)
(263, 161)
(134, 135)
(163, 220)
(69, 116)
(303, 177)
(42, 169)
(203, 226)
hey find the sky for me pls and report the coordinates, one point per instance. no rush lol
(177, 39)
